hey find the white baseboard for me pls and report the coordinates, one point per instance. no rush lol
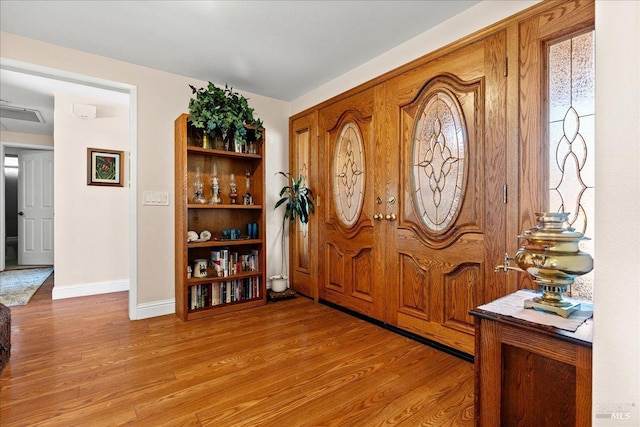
(143, 311)
(85, 289)
(155, 308)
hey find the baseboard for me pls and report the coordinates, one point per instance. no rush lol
(155, 308)
(86, 289)
(446, 349)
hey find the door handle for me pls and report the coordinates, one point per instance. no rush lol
(391, 217)
(378, 216)
(20, 213)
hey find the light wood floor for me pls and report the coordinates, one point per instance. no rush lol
(81, 362)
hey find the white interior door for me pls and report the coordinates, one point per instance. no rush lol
(35, 208)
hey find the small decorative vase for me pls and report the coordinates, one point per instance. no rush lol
(206, 143)
(219, 143)
(251, 147)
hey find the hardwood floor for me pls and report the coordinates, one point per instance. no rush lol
(81, 362)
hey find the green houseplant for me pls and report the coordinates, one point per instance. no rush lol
(297, 199)
(222, 111)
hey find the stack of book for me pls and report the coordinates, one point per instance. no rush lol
(210, 294)
(229, 263)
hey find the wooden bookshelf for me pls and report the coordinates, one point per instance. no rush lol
(244, 286)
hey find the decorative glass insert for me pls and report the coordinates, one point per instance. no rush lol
(571, 140)
(302, 230)
(348, 174)
(439, 147)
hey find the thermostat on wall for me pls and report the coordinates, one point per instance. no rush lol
(84, 110)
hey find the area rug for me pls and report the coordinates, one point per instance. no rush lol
(18, 286)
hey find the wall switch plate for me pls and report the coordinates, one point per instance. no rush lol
(155, 198)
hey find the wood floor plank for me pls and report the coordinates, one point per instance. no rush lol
(81, 361)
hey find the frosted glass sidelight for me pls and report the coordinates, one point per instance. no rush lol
(571, 111)
(302, 230)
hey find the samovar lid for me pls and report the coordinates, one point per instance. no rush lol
(552, 226)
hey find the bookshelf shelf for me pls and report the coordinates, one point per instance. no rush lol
(219, 243)
(222, 153)
(241, 280)
(221, 206)
(202, 280)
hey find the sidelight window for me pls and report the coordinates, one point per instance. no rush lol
(571, 116)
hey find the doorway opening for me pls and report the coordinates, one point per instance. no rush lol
(88, 83)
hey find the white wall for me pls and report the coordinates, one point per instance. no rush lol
(26, 138)
(161, 97)
(92, 222)
(616, 358)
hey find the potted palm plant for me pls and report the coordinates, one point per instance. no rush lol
(297, 199)
(222, 112)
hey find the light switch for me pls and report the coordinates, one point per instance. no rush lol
(155, 198)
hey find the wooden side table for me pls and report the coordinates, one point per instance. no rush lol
(527, 374)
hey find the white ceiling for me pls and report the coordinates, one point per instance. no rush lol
(279, 49)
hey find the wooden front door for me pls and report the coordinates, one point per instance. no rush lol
(350, 180)
(448, 120)
(412, 174)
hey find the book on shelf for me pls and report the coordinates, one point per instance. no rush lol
(228, 291)
(228, 263)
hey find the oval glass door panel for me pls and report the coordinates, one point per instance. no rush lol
(439, 147)
(348, 174)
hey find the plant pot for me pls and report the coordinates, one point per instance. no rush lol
(279, 283)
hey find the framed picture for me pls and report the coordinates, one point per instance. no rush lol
(104, 167)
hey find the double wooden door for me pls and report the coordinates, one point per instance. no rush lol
(412, 175)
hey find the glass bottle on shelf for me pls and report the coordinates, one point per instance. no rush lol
(198, 188)
(248, 198)
(233, 191)
(215, 185)
(206, 141)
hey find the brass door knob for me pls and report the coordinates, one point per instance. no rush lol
(391, 217)
(378, 216)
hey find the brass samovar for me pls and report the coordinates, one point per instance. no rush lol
(552, 257)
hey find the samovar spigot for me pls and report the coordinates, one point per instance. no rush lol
(506, 266)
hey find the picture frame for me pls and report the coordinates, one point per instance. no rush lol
(105, 167)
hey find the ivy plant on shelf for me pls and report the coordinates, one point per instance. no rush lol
(297, 199)
(223, 112)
